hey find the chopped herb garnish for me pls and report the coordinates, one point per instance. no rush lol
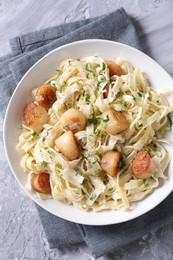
(87, 75)
(134, 98)
(79, 172)
(84, 182)
(34, 133)
(121, 94)
(139, 94)
(150, 94)
(65, 127)
(105, 182)
(135, 126)
(95, 173)
(146, 184)
(92, 197)
(57, 170)
(106, 119)
(88, 67)
(86, 94)
(151, 151)
(169, 120)
(83, 193)
(152, 175)
(141, 125)
(121, 162)
(83, 156)
(122, 102)
(103, 66)
(78, 83)
(61, 175)
(111, 189)
(50, 152)
(44, 164)
(59, 72)
(61, 88)
(92, 120)
(45, 148)
(95, 162)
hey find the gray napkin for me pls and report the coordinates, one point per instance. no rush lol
(26, 50)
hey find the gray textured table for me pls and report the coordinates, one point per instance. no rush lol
(21, 233)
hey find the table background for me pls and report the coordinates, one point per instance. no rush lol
(21, 233)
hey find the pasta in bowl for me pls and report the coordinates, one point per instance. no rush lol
(121, 112)
(92, 136)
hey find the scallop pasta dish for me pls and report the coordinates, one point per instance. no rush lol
(92, 135)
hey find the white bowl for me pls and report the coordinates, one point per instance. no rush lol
(42, 71)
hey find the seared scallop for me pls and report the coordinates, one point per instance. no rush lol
(110, 162)
(45, 96)
(41, 182)
(142, 165)
(68, 146)
(73, 120)
(35, 116)
(114, 69)
(116, 122)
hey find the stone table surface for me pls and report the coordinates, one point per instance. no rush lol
(21, 233)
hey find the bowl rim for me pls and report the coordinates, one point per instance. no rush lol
(167, 192)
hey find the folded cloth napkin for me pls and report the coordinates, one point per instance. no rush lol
(26, 50)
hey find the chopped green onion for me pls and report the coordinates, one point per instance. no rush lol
(134, 98)
(169, 120)
(57, 170)
(95, 162)
(95, 173)
(45, 148)
(87, 75)
(83, 156)
(78, 83)
(92, 197)
(92, 120)
(121, 94)
(83, 193)
(84, 182)
(88, 67)
(139, 94)
(79, 172)
(59, 72)
(50, 152)
(121, 162)
(103, 66)
(135, 126)
(146, 184)
(61, 88)
(44, 164)
(106, 119)
(152, 175)
(34, 133)
(150, 94)
(122, 102)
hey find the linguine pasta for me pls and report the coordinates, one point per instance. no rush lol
(81, 84)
